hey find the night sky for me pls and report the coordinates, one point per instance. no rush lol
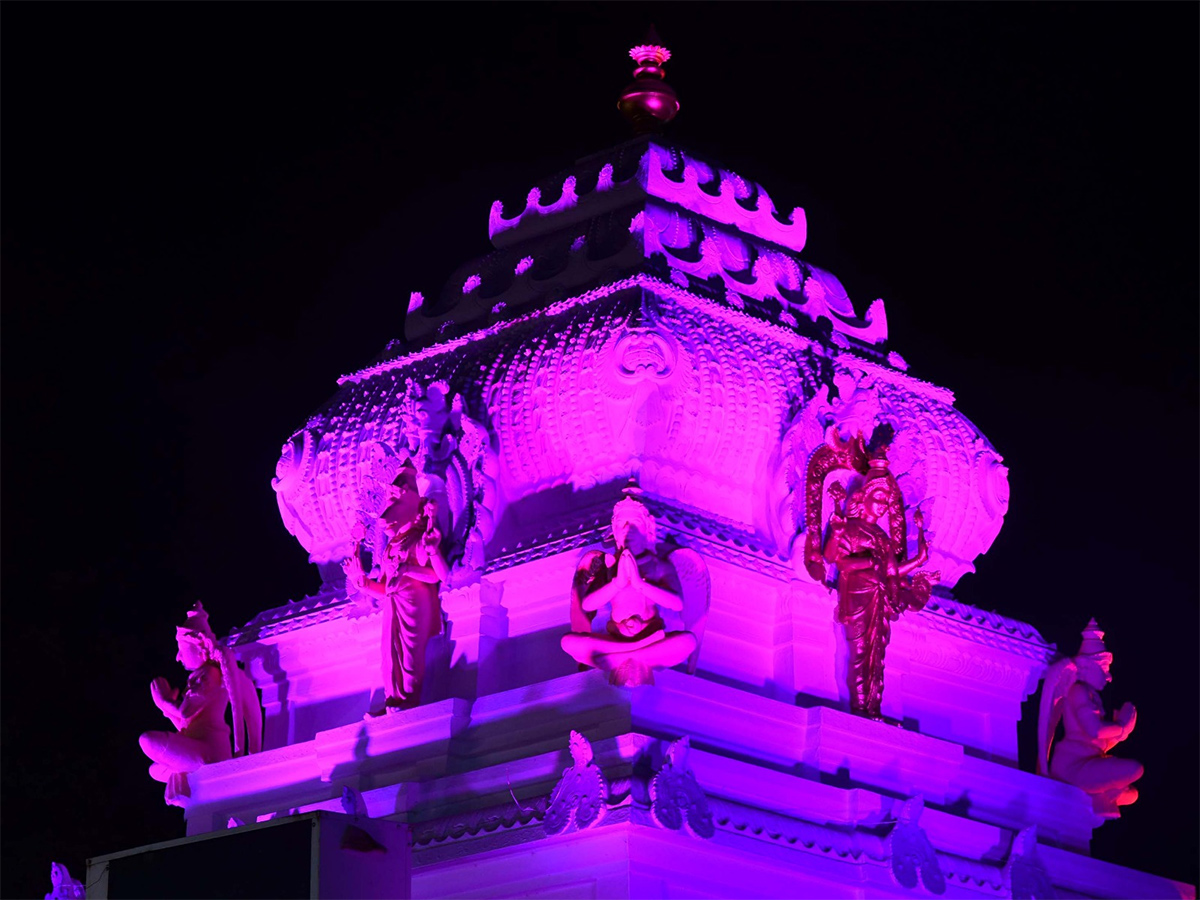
(211, 211)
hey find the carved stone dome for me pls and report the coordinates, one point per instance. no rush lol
(654, 322)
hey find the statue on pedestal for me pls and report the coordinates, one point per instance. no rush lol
(407, 572)
(639, 591)
(1071, 695)
(867, 541)
(215, 682)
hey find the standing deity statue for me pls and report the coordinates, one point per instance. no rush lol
(407, 571)
(867, 540)
(215, 682)
(1071, 695)
(637, 590)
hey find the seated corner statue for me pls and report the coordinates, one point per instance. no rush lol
(215, 682)
(407, 574)
(867, 541)
(1071, 695)
(636, 587)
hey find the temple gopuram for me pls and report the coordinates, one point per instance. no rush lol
(638, 551)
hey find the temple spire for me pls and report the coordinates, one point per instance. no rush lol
(649, 102)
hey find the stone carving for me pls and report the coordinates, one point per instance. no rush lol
(330, 474)
(1023, 875)
(405, 576)
(578, 799)
(638, 590)
(215, 682)
(1071, 695)
(867, 541)
(913, 859)
(940, 460)
(662, 176)
(676, 800)
(63, 886)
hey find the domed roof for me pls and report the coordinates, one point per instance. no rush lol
(654, 321)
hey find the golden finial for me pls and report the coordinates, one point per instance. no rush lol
(649, 102)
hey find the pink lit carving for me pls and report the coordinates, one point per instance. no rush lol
(634, 592)
(471, 284)
(406, 574)
(579, 799)
(524, 265)
(761, 221)
(724, 207)
(63, 886)
(1071, 695)
(201, 736)
(533, 207)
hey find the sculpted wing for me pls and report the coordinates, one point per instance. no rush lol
(244, 702)
(695, 586)
(1057, 681)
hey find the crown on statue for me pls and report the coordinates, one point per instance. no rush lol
(1092, 645)
(196, 622)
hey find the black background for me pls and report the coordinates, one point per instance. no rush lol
(211, 211)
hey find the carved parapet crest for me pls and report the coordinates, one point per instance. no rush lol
(729, 203)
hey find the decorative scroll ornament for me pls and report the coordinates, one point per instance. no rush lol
(913, 859)
(940, 461)
(335, 473)
(867, 541)
(676, 799)
(578, 800)
(1071, 695)
(1023, 875)
(640, 593)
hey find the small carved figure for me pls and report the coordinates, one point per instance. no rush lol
(406, 575)
(198, 712)
(63, 886)
(578, 799)
(867, 541)
(914, 861)
(677, 802)
(637, 587)
(1071, 695)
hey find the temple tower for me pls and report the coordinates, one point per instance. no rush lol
(645, 421)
